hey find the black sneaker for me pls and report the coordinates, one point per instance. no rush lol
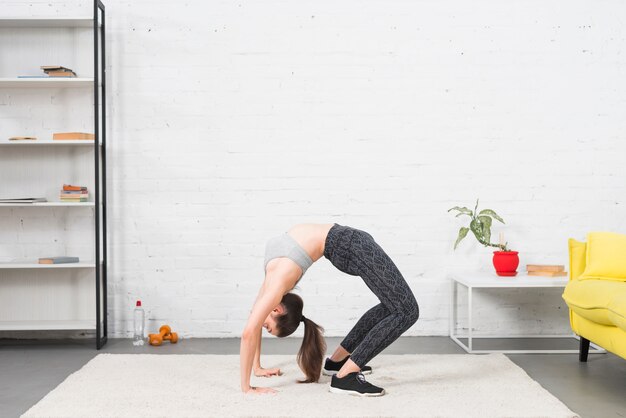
(331, 368)
(354, 384)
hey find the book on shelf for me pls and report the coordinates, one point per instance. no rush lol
(24, 200)
(548, 273)
(58, 71)
(74, 194)
(49, 75)
(73, 199)
(61, 74)
(71, 188)
(61, 136)
(23, 138)
(58, 260)
(544, 267)
(52, 71)
(47, 68)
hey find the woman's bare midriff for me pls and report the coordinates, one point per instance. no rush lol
(311, 238)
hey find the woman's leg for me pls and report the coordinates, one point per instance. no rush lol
(382, 276)
(359, 331)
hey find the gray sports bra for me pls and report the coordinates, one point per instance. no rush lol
(285, 246)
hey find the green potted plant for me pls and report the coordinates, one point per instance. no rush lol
(504, 260)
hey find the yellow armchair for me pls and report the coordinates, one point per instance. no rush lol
(596, 292)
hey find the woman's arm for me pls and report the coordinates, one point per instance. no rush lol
(257, 354)
(268, 299)
(256, 365)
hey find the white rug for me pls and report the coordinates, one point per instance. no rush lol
(134, 386)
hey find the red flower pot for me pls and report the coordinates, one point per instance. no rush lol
(506, 262)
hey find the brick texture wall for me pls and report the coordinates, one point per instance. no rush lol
(230, 121)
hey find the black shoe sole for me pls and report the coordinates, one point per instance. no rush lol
(334, 372)
(355, 393)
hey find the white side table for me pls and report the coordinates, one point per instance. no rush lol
(492, 281)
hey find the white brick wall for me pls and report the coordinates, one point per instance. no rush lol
(231, 121)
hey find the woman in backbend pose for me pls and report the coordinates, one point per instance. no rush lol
(287, 257)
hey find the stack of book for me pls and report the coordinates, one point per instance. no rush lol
(74, 194)
(57, 71)
(546, 270)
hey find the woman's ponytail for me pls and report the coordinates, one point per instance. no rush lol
(312, 351)
(313, 348)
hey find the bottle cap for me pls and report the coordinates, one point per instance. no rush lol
(138, 303)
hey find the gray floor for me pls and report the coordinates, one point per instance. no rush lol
(30, 369)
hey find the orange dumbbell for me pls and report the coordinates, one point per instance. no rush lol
(165, 333)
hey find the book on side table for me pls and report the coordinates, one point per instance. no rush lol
(546, 270)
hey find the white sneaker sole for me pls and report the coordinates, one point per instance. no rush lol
(332, 372)
(353, 393)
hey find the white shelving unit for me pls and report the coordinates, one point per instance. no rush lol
(47, 22)
(39, 83)
(53, 296)
(47, 325)
(49, 204)
(46, 142)
(33, 265)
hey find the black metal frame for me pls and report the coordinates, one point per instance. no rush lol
(100, 172)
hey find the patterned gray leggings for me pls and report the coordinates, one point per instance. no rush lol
(356, 253)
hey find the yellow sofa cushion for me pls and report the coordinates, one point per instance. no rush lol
(577, 257)
(612, 339)
(591, 299)
(606, 257)
(617, 310)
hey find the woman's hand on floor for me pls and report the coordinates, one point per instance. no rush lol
(265, 391)
(261, 372)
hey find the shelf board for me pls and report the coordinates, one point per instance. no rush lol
(14, 82)
(32, 265)
(47, 22)
(46, 325)
(49, 142)
(48, 204)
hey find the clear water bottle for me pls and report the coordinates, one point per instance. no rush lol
(139, 319)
